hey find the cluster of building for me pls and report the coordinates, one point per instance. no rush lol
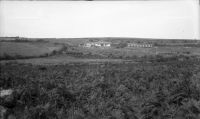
(97, 44)
(142, 45)
(104, 44)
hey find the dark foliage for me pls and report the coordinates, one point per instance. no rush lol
(160, 90)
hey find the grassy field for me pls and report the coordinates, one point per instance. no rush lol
(32, 47)
(26, 49)
(62, 51)
(131, 52)
(59, 60)
(111, 90)
(73, 82)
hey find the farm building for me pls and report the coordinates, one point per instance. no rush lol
(98, 44)
(88, 44)
(142, 45)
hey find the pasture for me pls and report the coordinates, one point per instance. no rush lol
(26, 49)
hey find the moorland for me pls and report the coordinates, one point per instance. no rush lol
(74, 82)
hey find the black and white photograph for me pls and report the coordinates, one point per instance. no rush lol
(99, 59)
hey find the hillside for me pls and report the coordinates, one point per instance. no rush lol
(26, 49)
(23, 48)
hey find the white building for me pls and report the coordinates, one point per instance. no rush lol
(98, 44)
(139, 45)
(88, 44)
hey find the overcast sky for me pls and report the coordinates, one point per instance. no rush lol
(144, 19)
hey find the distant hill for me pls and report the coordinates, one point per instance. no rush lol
(76, 41)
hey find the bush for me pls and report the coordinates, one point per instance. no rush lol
(159, 90)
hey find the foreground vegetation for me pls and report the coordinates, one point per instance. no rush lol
(163, 89)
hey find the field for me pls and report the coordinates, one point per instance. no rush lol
(23, 48)
(159, 90)
(131, 52)
(26, 49)
(73, 82)
(59, 60)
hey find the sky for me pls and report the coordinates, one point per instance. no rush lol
(166, 19)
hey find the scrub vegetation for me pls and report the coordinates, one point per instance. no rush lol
(59, 79)
(156, 89)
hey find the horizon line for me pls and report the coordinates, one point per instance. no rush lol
(98, 37)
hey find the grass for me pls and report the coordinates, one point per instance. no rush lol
(26, 49)
(131, 53)
(113, 83)
(56, 60)
(168, 89)
(23, 48)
